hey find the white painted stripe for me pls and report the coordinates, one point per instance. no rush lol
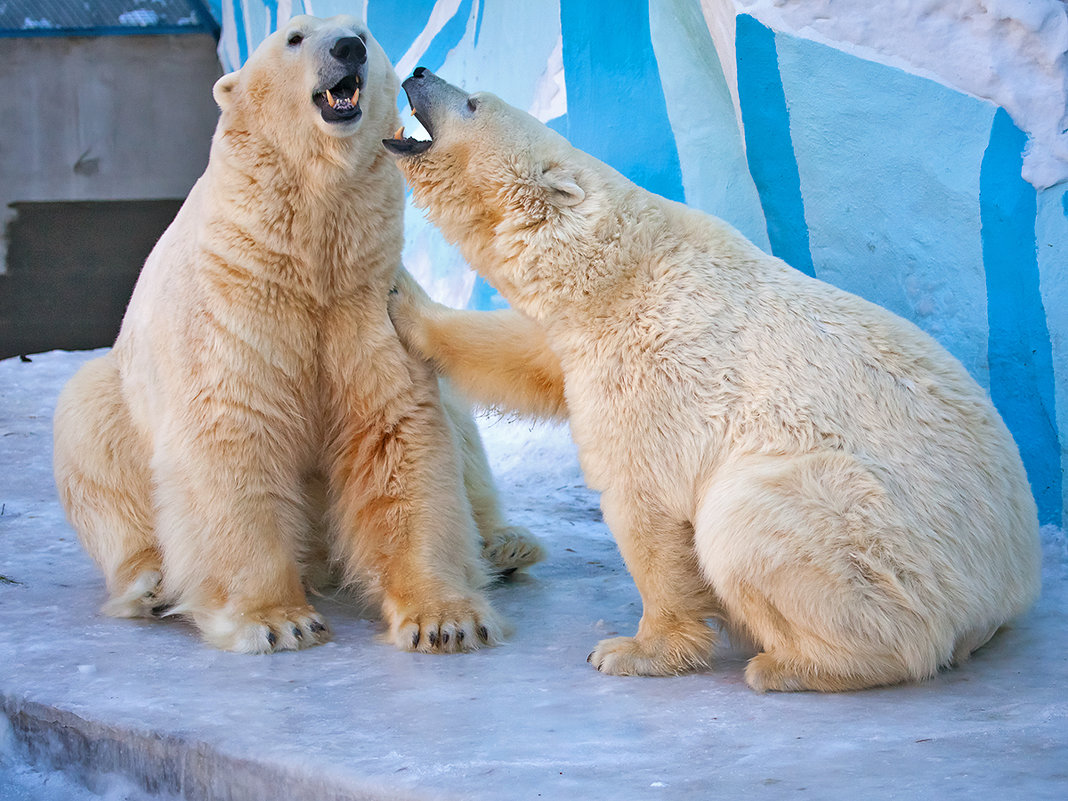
(229, 54)
(550, 94)
(444, 10)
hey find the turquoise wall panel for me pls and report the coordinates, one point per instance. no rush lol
(769, 148)
(1051, 242)
(616, 107)
(1021, 359)
(396, 32)
(889, 166)
(715, 174)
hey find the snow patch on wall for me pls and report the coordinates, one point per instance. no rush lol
(1011, 52)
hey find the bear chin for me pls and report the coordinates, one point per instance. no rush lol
(340, 127)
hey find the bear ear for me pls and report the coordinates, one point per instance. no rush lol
(563, 188)
(223, 91)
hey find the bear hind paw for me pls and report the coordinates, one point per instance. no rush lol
(766, 672)
(264, 631)
(141, 598)
(512, 548)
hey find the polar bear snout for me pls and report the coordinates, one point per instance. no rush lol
(431, 99)
(350, 51)
(431, 96)
(338, 95)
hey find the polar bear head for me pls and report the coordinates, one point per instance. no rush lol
(526, 208)
(309, 89)
(486, 163)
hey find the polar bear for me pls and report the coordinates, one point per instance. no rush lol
(772, 452)
(258, 403)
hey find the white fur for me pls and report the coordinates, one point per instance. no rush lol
(258, 414)
(773, 452)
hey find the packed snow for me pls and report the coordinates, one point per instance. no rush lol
(120, 706)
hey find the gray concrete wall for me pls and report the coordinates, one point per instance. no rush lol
(88, 120)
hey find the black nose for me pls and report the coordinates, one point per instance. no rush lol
(419, 72)
(350, 50)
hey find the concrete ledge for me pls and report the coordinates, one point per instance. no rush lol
(160, 764)
(356, 719)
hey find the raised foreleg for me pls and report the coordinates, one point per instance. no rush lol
(500, 359)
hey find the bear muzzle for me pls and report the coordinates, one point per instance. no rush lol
(429, 96)
(338, 99)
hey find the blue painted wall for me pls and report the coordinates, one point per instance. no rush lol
(1021, 354)
(616, 108)
(893, 186)
(768, 143)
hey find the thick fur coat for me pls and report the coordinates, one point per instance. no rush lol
(258, 415)
(772, 452)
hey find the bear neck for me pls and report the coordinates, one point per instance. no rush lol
(331, 225)
(575, 264)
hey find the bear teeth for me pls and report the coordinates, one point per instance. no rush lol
(343, 103)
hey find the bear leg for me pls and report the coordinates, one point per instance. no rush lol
(506, 548)
(672, 636)
(812, 561)
(232, 518)
(102, 474)
(406, 531)
(499, 358)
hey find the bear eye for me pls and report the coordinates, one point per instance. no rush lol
(295, 38)
(472, 104)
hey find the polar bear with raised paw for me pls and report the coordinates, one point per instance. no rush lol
(772, 452)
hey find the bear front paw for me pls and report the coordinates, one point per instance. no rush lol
(653, 656)
(409, 308)
(445, 628)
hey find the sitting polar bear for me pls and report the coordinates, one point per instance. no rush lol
(258, 402)
(773, 452)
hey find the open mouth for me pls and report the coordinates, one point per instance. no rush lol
(409, 146)
(341, 102)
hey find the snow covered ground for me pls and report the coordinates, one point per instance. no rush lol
(133, 710)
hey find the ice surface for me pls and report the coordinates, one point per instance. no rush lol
(119, 704)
